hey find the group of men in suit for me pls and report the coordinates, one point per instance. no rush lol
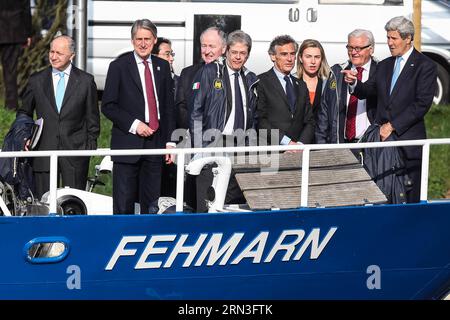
(224, 96)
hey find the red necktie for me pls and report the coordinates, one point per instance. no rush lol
(350, 123)
(152, 112)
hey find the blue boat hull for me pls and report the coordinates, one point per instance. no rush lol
(372, 252)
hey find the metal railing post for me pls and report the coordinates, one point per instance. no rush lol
(53, 183)
(305, 178)
(424, 174)
(180, 182)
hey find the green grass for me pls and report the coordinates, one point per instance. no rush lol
(437, 121)
(438, 126)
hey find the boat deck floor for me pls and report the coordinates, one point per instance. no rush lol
(336, 178)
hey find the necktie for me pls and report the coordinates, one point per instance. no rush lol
(151, 100)
(60, 88)
(290, 93)
(238, 105)
(396, 72)
(350, 123)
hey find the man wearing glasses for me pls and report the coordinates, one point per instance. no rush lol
(343, 118)
(163, 49)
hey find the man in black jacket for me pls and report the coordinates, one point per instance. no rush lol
(283, 102)
(223, 106)
(213, 45)
(138, 99)
(66, 98)
(335, 112)
(15, 32)
(404, 84)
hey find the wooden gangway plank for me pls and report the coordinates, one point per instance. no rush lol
(286, 161)
(345, 194)
(293, 178)
(336, 178)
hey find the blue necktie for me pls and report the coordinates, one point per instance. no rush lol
(396, 72)
(238, 105)
(290, 94)
(60, 88)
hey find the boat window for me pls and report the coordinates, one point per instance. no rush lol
(46, 249)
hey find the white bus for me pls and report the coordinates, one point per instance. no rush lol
(182, 21)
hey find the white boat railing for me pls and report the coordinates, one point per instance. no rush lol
(182, 152)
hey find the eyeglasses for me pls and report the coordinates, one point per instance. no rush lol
(357, 49)
(168, 54)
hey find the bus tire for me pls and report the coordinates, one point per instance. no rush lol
(443, 83)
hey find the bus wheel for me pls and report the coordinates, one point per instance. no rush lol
(443, 83)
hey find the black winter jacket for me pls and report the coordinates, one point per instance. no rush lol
(211, 103)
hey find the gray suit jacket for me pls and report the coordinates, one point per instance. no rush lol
(76, 127)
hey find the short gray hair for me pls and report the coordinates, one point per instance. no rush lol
(239, 36)
(357, 33)
(222, 35)
(71, 42)
(281, 41)
(144, 24)
(404, 26)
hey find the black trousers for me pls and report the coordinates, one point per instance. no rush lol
(68, 176)
(10, 54)
(205, 178)
(138, 182)
(414, 171)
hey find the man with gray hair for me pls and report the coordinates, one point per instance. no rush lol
(138, 99)
(284, 110)
(404, 85)
(223, 108)
(343, 117)
(65, 97)
(212, 47)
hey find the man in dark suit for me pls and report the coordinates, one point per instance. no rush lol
(138, 99)
(283, 104)
(339, 111)
(223, 106)
(163, 50)
(15, 32)
(404, 85)
(66, 98)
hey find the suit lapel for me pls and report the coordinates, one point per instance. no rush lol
(156, 69)
(72, 85)
(296, 86)
(226, 79)
(247, 98)
(134, 72)
(389, 73)
(48, 88)
(408, 68)
(278, 88)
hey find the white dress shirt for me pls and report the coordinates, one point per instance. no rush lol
(141, 69)
(362, 121)
(229, 125)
